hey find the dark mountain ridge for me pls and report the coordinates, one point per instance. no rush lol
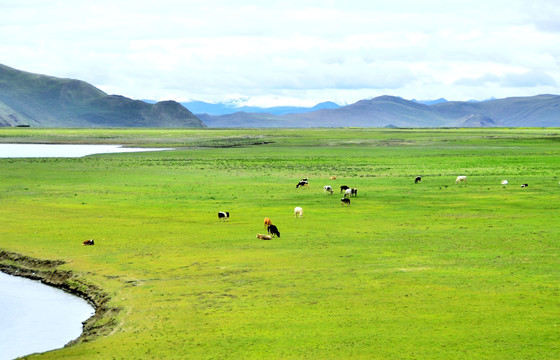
(47, 101)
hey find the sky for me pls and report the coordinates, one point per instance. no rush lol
(270, 53)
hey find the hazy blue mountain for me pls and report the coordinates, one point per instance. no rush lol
(46, 101)
(430, 102)
(376, 112)
(201, 107)
(540, 110)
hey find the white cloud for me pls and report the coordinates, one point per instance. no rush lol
(528, 79)
(305, 51)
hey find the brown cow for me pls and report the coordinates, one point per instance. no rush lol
(267, 222)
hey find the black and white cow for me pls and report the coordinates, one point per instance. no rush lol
(344, 188)
(345, 201)
(302, 183)
(418, 179)
(350, 192)
(223, 215)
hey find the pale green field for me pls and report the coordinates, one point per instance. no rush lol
(434, 270)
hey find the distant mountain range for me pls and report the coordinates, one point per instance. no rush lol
(226, 108)
(201, 107)
(390, 111)
(28, 99)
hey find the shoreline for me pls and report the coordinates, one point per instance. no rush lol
(101, 323)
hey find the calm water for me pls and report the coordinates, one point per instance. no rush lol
(37, 318)
(57, 150)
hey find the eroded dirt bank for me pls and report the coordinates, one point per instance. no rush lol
(104, 319)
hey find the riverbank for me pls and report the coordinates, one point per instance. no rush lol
(101, 323)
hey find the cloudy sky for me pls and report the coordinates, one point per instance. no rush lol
(289, 52)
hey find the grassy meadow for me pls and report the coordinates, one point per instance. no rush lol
(434, 270)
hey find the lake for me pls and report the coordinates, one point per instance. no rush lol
(64, 150)
(36, 318)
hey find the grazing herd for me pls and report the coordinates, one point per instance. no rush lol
(347, 192)
(272, 229)
(298, 211)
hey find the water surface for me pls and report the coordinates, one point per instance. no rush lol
(63, 150)
(36, 318)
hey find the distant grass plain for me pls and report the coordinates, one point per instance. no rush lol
(434, 270)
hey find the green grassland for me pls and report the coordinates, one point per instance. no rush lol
(434, 270)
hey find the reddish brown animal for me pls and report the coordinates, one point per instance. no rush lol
(88, 242)
(267, 222)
